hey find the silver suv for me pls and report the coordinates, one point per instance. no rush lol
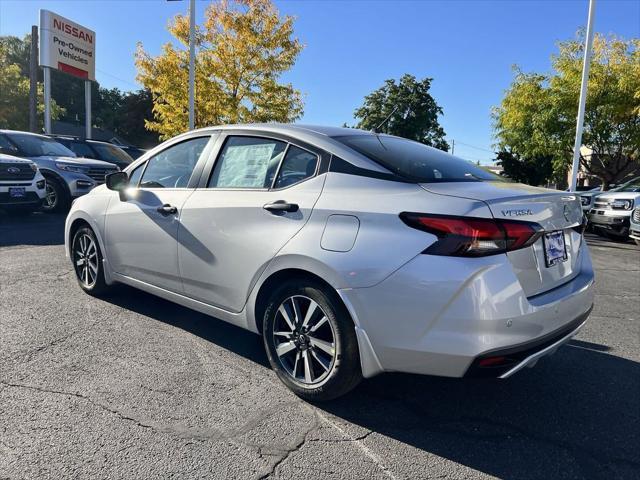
(612, 210)
(67, 176)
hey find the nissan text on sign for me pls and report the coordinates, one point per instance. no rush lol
(67, 46)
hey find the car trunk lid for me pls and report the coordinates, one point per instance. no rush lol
(553, 210)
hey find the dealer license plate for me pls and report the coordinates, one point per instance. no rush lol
(555, 250)
(17, 192)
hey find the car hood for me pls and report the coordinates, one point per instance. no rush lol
(605, 197)
(80, 161)
(13, 160)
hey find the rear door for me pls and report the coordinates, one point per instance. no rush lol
(142, 226)
(259, 194)
(542, 266)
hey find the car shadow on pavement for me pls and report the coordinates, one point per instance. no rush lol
(575, 415)
(230, 337)
(31, 229)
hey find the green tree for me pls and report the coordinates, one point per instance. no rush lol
(536, 118)
(243, 48)
(411, 111)
(532, 171)
(14, 92)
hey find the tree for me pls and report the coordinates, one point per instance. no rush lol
(14, 93)
(243, 47)
(536, 118)
(532, 171)
(412, 111)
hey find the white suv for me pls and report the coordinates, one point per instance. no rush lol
(612, 210)
(22, 186)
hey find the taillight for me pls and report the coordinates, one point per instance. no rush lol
(473, 237)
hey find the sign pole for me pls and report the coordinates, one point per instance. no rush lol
(87, 108)
(33, 81)
(47, 99)
(192, 62)
(583, 97)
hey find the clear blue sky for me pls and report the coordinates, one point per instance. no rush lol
(467, 47)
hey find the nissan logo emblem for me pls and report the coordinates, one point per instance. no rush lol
(13, 170)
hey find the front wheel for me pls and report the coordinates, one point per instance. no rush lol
(56, 197)
(87, 262)
(311, 341)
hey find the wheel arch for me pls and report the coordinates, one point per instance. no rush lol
(46, 173)
(369, 362)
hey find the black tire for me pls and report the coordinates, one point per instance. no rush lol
(57, 197)
(92, 282)
(637, 242)
(344, 371)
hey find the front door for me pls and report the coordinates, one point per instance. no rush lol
(260, 194)
(142, 228)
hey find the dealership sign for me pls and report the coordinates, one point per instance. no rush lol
(67, 46)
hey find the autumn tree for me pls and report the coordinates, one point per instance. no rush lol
(537, 116)
(242, 49)
(405, 109)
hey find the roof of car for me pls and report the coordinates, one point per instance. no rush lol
(292, 128)
(23, 133)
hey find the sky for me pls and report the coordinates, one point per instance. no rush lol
(353, 46)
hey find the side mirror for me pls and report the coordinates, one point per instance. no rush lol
(117, 181)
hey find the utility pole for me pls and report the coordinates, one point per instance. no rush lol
(33, 81)
(192, 62)
(583, 97)
(453, 146)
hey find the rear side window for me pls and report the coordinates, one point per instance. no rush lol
(247, 162)
(298, 165)
(415, 161)
(173, 167)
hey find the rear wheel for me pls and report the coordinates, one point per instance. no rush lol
(56, 197)
(87, 262)
(311, 341)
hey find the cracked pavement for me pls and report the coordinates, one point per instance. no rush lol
(136, 387)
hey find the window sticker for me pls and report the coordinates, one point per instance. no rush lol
(245, 165)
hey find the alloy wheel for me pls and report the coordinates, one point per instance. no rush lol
(85, 257)
(304, 339)
(51, 197)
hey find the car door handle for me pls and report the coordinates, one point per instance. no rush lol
(281, 206)
(166, 210)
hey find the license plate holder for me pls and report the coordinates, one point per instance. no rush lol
(17, 192)
(555, 249)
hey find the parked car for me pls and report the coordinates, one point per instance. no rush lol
(352, 253)
(104, 151)
(134, 152)
(67, 176)
(612, 210)
(22, 186)
(587, 197)
(634, 225)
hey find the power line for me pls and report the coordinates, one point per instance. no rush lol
(458, 142)
(137, 87)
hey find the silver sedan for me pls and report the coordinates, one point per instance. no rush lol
(352, 253)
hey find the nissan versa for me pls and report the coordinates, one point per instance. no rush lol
(351, 253)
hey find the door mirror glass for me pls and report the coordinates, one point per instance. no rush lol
(117, 181)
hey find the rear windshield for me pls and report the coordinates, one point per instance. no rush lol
(415, 161)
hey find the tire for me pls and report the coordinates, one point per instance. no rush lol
(301, 356)
(637, 242)
(87, 262)
(56, 198)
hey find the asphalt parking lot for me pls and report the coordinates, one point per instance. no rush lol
(137, 387)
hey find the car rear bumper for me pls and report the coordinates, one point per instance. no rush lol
(439, 315)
